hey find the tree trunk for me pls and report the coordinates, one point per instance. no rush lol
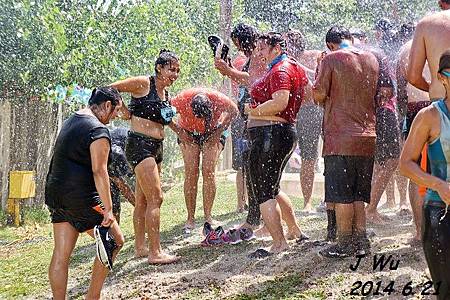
(5, 141)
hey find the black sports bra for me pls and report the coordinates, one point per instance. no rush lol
(151, 107)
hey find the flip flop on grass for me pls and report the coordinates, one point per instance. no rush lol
(259, 254)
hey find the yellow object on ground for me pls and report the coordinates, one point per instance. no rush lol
(22, 185)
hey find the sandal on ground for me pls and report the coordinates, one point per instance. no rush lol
(404, 212)
(302, 238)
(260, 253)
(187, 229)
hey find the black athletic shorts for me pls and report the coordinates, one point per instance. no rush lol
(309, 128)
(239, 140)
(388, 136)
(82, 219)
(348, 178)
(199, 139)
(270, 148)
(140, 147)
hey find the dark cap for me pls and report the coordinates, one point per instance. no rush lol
(444, 61)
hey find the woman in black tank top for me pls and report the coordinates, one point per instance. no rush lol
(149, 110)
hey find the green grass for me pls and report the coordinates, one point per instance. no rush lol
(25, 252)
(3, 219)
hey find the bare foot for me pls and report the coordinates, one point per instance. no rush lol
(307, 208)
(141, 252)
(248, 226)
(388, 205)
(279, 248)
(240, 209)
(163, 259)
(262, 232)
(293, 234)
(375, 218)
(190, 224)
(210, 220)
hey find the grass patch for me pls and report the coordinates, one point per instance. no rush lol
(33, 215)
(25, 252)
(3, 218)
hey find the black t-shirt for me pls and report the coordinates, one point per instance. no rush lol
(118, 165)
(70, 181)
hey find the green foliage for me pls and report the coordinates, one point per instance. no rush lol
(51, 45)
(33, 215)
(3, 218)
(315, 17)
(46, 43)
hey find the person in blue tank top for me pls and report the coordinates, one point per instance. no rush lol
(432, 127)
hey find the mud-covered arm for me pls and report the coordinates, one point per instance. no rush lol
(417, 138)
(417, 60)
(321, 87)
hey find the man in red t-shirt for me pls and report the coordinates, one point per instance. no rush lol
(204, 115)
(346, 85)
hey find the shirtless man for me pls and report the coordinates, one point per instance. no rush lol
(427, 46)
(309, 118)
(411, 100)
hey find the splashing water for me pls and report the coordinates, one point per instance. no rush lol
(446, 210)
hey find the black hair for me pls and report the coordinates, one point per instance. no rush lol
(165, 57)
(444, 61)
(384, 25)
(358, 33)
(406, 31)
(247, 36)
(296, 39)
(201, 106)
(272, 39)
(337, 34)
(446, 1)
(105, 93)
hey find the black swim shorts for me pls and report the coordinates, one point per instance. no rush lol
(348, 178)
(140, 147)
(270, 148)
(199, 138)
(81, 219)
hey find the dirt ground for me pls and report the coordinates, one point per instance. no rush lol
(225, 272)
